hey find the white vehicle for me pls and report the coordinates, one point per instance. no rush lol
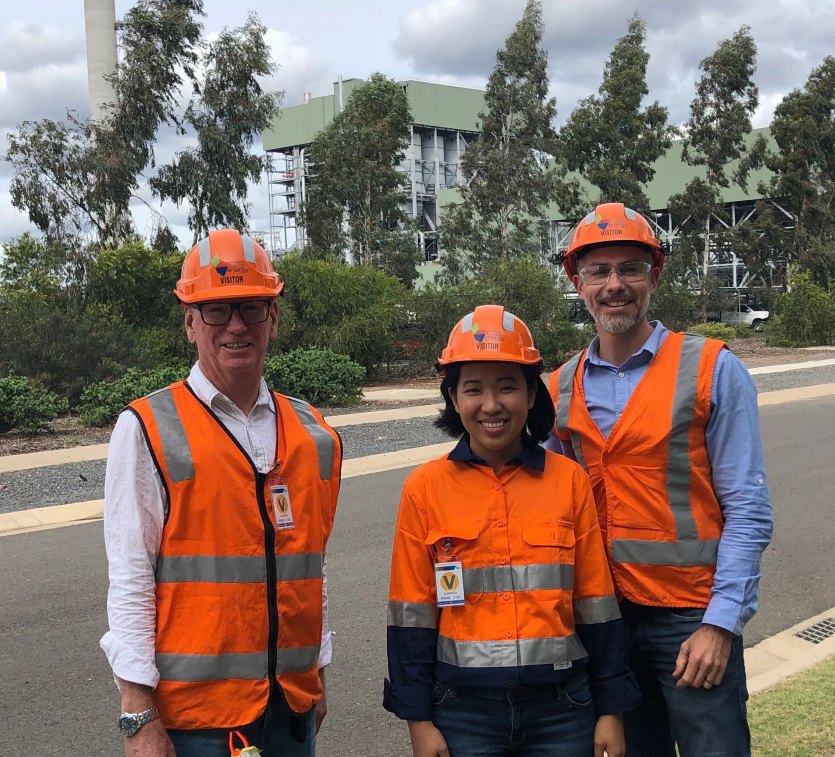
(745, 315)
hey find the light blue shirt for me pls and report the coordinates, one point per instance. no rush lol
(734, 447)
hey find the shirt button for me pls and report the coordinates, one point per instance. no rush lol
(506, 597)
(502, 561)
(499, 523)
(621, 374)
(497, 487)
(511, 681)
(508, 634)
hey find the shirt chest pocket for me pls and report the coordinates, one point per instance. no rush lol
(459, 542)
(550, 542)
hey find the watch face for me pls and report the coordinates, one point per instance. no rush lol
(128, 725)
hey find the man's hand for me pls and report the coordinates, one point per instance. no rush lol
(427, 740)
(608, 736)
(150, 741)
(322, 704)
(703, 657)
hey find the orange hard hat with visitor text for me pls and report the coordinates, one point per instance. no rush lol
(227, 265)
(608, 224)
(490, 333)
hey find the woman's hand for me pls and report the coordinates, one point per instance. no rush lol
(608, 736)
(427, 740)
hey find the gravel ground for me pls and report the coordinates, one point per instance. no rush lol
(77, 482)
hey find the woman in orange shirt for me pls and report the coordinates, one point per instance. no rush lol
(504, 634)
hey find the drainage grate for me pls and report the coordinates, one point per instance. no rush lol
(818, 632)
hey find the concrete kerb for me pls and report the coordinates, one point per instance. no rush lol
(773, 660)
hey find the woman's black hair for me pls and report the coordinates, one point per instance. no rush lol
(540, 421)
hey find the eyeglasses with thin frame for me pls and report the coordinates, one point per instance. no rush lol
(631, 272)
(220, 313)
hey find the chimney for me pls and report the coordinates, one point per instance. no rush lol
(306, 98)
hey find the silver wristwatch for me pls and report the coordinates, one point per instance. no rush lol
(131, 722)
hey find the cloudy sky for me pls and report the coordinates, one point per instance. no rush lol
(43, 66)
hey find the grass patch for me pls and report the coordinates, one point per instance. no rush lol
(796, 718)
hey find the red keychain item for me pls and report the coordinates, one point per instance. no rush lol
(246, 750)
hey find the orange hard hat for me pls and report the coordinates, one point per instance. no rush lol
(611, 223)
(227, 265)
(490, 333)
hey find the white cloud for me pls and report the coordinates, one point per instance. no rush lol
(27, 46)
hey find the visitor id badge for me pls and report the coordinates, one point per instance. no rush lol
(281, 506)
(449, 584)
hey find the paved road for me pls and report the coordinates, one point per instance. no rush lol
(57, 697)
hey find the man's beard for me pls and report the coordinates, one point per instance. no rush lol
(620, 323)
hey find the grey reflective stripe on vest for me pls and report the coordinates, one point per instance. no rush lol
(236, 569)
(172, 435)
(596, 610)
(224, 667)
(549, 576)
(565, 392)
(205, 252)
(412, 615)
(678, 451)
(249, 249)
(512, 653)
(325, 444)
(681, 554)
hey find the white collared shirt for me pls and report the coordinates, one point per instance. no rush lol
(134, 515)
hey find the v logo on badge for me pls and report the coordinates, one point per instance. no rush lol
(449, 581)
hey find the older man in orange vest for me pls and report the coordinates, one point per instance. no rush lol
(219, 499)
(666, 425)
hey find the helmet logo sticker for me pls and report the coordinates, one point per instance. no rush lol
(219, 265)
(235, 271)
(486, 340)
(608, 227)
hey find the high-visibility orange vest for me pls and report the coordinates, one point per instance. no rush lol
(651, 477)
(532, 561)
(237, 600)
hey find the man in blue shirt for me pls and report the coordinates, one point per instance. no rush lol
(666, 424)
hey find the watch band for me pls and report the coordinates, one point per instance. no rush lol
(131, 722)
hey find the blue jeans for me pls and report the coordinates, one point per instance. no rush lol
(702, 722)
(537, 721)
(272, 733)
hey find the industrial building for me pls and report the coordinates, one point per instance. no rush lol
(445, 122)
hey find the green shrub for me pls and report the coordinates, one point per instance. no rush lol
(714, 331)
(25, 406)
(102, 402)
(804, 316)
(352, 310)
(320, 377)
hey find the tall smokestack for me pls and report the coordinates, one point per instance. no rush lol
(100, 26)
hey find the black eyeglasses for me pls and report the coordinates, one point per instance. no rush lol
(630, 272)
(220, 313)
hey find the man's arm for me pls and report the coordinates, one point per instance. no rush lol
(737, 460)
(133, 520)
(739, 481)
